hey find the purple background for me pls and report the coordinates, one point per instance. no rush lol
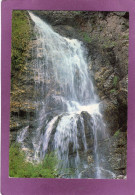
(20, 186)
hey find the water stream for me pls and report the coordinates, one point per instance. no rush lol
(68, 120)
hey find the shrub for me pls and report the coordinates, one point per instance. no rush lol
(20, 167)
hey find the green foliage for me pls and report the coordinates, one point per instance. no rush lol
(117, 133)
(108, 44)
(77, 12)
(112, 90)
(20, 39)
(86, 37)
(20, 168)
(115, 81)
(126, 37)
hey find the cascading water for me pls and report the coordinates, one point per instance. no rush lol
(68, 120)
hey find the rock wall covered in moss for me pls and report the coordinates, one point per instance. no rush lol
(20, 90)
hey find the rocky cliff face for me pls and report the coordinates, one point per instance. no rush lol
(105, 34)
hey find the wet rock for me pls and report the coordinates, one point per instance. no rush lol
(88, 129)
(115, 151)
(121, 177)
(55, 102)
(88, 172)
(80, 136)
(66, 31)
(90, 159)
(111, 115)
(61, 18)
(123, 89)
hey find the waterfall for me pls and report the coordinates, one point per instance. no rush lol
(68, 119)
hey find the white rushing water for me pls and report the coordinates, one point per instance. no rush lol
(69, 103)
